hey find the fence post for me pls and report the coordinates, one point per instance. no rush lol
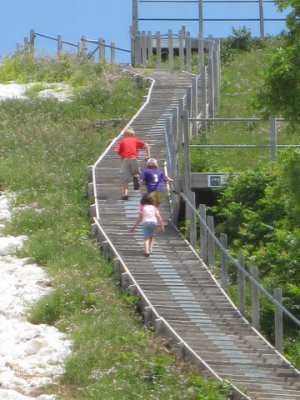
(273, 137)
(255, 299)
(158, 50)
(188, 49)
(134, 31)
(149, 46)
(203, 233)
(83, 46)
(194, 103)
(181, 51)
(278, 321)
(200, 53)
(211, 100)
(137, 51)
(59, 45)
(211, 242)
(113, 53)
(261, 19)
(31, 43)
(224, 264)
(192, 218)
(241, 285)
(187, 171)
(144, 48)
(171, 49)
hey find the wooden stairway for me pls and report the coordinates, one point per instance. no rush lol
(175, 280)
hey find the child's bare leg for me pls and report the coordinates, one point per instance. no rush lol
(151, 243)
(147, 245)
(125, 189)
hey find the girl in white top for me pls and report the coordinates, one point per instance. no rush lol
(149, 217)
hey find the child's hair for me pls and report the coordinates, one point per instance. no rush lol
(147, 199)
(130, 132)
(152, 163)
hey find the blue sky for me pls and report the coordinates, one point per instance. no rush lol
(111, 20)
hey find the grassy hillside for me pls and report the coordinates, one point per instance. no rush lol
(240, 83)
(46, 147)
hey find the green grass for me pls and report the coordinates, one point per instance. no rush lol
(240, 83)
(46, 147)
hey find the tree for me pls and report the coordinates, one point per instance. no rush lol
(280, 92)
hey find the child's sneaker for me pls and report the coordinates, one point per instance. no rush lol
(136, 183)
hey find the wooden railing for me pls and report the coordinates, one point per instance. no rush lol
(213, 251)
(81, 48)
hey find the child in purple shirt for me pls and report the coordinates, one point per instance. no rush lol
(154, 180)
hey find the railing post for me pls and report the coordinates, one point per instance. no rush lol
(31, 43)
(200, 53)
(194, 103)
(158, 50)
(241, 285)
(255, 299)
(134, 33)
(192, 219)
(181, 51)
(59, 45)
(83, 46)
(273, 137)
(278, 321)
(144, 47)
(211, 242)
(203, 233)
(149, 46)
(224, 263)
(113, 53)
(211, 100)
(188, 49)
(171, 49)
(186, 131)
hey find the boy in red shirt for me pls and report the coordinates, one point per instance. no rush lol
(128, 149)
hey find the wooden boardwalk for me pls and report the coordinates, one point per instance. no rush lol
(174, 279)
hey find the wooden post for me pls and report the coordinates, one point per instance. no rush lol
(101, 50)
(188, 49)
(273, 137)
(200, 53)
(134, 31)
(224, 263)
(200, 12)
(32, 48)
(113, 53)
(216, 75)
(181, 51)
(149, 46)
(211, 242)
(194, 103)
(203, 111)
(59, 45)
(137, 51)
(261, 19)
(187, 169)
(192, 219)
(278, 321)
(210, 90)
(170, 49)
(83, 48)
(144, 47)
(255, 299)
(241, 285)
(203, 233)
(158, 50)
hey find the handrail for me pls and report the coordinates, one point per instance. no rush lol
(236, 263)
